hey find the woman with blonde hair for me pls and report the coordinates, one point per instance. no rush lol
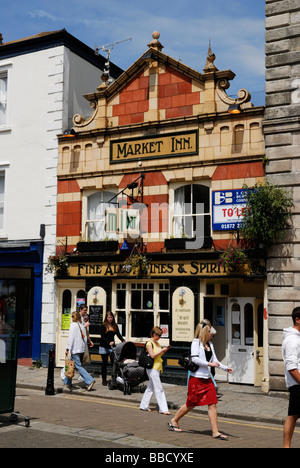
(201, 389)
(76, 347)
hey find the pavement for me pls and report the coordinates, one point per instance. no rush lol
(235, 401)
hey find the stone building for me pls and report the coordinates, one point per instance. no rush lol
(282, 137)
(158, 168)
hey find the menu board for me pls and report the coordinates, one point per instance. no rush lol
(95, 319)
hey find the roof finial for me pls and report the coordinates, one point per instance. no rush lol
(155, 44)
(210, 66)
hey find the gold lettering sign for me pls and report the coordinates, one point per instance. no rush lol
(162, 146)
(161, 269)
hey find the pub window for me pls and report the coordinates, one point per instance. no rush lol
(66, 309)
(191, 208)
(142, 312)
(80, 298)
(224, 289)
(210, 289)
(141, 305)
(96, 216)
(121, 307)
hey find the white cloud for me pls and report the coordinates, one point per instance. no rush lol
(43, 14)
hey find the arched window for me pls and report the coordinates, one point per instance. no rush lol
(192, 211)
(96, 210)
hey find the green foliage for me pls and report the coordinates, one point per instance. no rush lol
(233, 257)
(137, 264)
(268, 214)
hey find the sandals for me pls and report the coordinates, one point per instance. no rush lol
(221, 437)
(174, 428)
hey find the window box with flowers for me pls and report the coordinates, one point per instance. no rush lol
(57, 264)
(136, 264)
(233, 258)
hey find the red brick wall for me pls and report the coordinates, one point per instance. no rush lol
(133, 101)
(175, 94)
(239, 171)
(68, 213)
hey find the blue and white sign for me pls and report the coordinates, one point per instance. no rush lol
(228, 209)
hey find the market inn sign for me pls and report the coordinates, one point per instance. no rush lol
(155, 146)
(162, 269)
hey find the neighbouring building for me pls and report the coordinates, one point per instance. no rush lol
(282, 136)
(42, 79)
(150, 192)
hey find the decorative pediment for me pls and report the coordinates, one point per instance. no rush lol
(158, 88)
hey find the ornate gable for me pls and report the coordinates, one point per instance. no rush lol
(158, 88)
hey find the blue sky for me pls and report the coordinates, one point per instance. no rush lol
(235, 28)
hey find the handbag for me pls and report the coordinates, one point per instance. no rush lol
(186, 361)
(69, 367)
(145, 360)
(86, 357)
(86, 360)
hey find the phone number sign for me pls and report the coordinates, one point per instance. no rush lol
(229, 207)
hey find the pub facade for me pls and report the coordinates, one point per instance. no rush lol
(150, 193)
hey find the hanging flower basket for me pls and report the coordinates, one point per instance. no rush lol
(137, 264)
(58, 263)
(233, 257)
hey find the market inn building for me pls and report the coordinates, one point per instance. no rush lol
(150, 191)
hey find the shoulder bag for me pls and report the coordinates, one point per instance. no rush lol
(145, 360)
(186, 361)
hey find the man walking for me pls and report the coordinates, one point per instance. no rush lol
(291, 357)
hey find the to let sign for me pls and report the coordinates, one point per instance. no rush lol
(229, 207)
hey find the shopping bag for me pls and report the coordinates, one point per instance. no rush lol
(69, 368)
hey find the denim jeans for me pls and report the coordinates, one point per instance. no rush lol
(88, 379)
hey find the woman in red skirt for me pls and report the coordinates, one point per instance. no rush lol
(201, 389)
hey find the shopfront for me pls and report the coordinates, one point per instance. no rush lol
(150, 193)
(21, 294)
(184, 292)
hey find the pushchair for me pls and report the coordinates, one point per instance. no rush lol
(126, 372)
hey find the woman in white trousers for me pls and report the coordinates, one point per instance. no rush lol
(154, 385)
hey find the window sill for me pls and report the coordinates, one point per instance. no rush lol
(4, 129)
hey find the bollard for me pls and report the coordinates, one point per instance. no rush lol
(50, 378)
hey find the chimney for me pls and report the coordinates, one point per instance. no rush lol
(1, 39)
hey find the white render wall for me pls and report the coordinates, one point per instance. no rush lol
(45, 91)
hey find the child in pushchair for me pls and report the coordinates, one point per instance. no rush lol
(126, 372)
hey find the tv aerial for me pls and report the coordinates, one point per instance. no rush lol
(107, 49)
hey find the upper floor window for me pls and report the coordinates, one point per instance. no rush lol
(3, 98)
(97, 205)
(192, 211)
(2, 189)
